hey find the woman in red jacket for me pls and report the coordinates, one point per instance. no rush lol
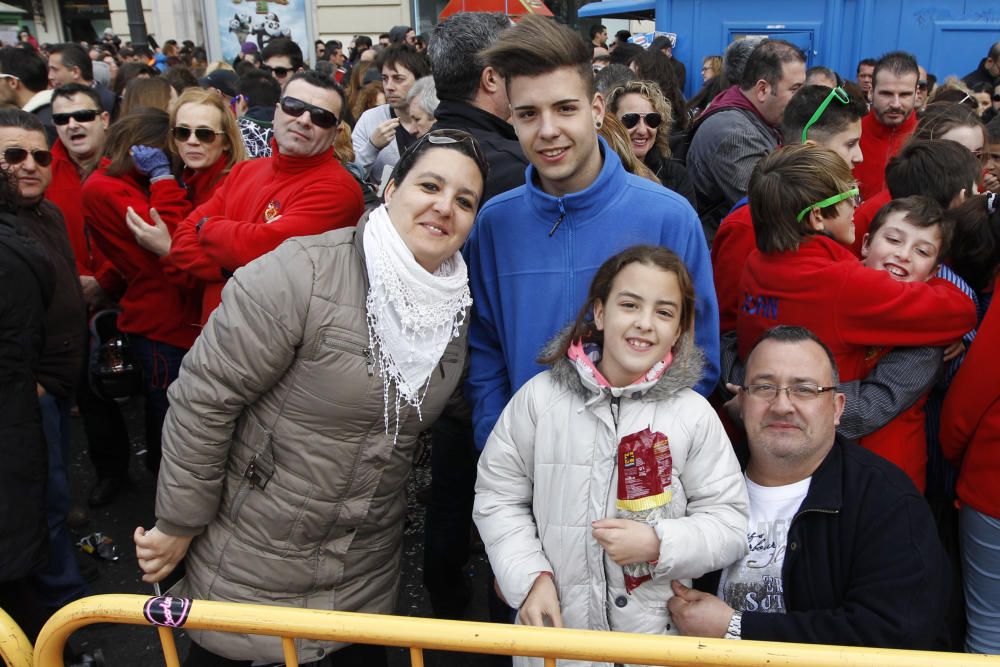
(970, 438)
(135, 183)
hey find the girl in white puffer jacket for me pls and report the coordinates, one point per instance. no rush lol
(612, 430)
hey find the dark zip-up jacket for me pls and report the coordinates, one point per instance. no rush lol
(863, 562)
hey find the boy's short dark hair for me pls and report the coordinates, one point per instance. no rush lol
(406, 56)
(836, 117)
(538, 45)
(70, 89)
(922, 212)
(283, 47)
(767, 62)
(975, 246)
(260, 89)
(74, 55)
(596, 30)
(935, 168)
(27, 66)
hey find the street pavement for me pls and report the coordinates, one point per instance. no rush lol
(139, 646)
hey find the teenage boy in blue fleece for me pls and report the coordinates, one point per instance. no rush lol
(534, 249)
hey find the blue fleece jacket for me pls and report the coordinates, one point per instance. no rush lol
(531, 257)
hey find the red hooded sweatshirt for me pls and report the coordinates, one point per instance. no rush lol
(731, 247)
(879, 144)
(262, 203)
(822, 286)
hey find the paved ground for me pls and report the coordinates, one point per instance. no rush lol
(133, 646)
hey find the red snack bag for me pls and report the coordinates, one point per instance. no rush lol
(645, 469)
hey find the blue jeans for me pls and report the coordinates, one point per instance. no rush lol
(161, 364)
(60, 582)
(980, 535)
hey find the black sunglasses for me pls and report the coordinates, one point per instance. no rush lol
(320, 116)
(996, 97)
(630, 120)
(280, 72)
(14, 156)
(81, 116)
(202, 134)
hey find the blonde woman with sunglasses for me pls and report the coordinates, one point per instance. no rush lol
(648, 117)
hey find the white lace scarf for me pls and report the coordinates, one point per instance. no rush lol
(412, 314)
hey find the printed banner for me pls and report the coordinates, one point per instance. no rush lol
(260, 21)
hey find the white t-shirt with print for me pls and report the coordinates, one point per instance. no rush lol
(754, 583)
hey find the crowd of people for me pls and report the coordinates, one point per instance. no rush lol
(717, 366)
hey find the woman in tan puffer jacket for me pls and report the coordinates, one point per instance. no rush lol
(293, 424)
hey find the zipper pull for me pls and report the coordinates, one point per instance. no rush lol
(616, 407)
(369, 361)
(562, 216)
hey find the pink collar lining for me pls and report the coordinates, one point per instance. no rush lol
(578, 354)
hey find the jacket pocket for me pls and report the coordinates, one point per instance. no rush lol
(270, 501)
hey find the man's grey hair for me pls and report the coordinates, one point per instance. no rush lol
(424, 93)
(612, 76)
(454, 51)
(784, 333)
(736, 57)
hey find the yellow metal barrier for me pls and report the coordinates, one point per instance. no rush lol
(15, 649)
(419, 634)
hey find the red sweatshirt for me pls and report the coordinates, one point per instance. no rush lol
(970, 420)
(64, 191)
(156, 305)
(878, 145)
(823, 287)
(262, 203)
(732, 246)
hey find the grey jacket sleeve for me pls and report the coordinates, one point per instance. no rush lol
(365, 151)
(899, 379)
(247, 345)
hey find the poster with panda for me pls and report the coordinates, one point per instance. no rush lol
(258, 21)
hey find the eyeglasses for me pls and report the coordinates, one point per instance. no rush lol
(204, 135)
(837, 93)
(10, 76)
(802, 392)
(81, 116)
(280, 72)
(445, 137)
(13, 156)
(921, 85)
(320, 116)
(996, 97)
(853, 194)
(652, 119)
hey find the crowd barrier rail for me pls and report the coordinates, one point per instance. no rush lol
(419, 634)
(15, 649)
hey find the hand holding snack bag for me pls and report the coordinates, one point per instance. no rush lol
(645, 469)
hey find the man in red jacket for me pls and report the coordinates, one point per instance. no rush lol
(81, 125)
(891, 120)
(300, 190)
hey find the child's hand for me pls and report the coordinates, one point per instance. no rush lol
(627, 541)
(954, 351)
(542, 602)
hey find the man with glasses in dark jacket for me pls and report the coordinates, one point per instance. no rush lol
(841, 547)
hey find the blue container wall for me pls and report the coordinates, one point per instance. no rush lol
(946, 37)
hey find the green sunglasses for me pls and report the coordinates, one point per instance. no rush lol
(840, 94)
(854, 193)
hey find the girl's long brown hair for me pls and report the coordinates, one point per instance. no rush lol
(600, 290)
